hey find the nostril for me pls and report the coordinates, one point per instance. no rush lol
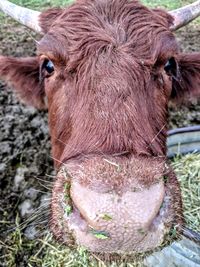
(162, 215)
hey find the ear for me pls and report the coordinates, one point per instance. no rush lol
(48, 17)
(187, 85)
(23, 75)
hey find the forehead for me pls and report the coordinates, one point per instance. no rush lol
(121, 24)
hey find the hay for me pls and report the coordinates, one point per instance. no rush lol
(187, 169)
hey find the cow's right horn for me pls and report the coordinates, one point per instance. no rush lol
(25, 16)
(184, 15)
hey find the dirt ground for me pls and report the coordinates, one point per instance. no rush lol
(24, 141)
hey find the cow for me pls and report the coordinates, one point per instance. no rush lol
(106, 71)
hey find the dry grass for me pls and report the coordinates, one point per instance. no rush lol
(188, 172)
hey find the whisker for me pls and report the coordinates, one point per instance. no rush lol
(78, 151)
(40, 191)
(43, 180)
(51, 176)
(154, 138)
(58, 160)
(36, 215)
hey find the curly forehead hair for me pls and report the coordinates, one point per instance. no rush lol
(90, 27)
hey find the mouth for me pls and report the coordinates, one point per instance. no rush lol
(102, 230)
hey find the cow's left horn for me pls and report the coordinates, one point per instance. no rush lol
(184, 15)
(25, 16)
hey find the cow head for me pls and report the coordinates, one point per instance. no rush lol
(106, 71)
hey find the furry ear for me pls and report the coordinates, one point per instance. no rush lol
(187, 84)
(23, 75)
(48, 16)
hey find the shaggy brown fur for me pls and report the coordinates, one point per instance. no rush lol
(109, 71)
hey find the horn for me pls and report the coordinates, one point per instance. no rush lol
(25, 16)
(184, 15)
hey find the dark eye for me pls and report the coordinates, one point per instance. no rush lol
(48, 66)
(171, 67)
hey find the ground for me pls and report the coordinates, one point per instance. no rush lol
(26, 171)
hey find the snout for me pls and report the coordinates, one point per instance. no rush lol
(118, 222)
(117, 213)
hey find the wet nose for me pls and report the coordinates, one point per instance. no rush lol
(116, 222)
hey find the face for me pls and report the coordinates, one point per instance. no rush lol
(108, 84)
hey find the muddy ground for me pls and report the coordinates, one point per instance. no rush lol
(24, 141)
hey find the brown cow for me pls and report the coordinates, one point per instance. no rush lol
(108, 69)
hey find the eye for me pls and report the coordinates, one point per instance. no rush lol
(171, 67)
(48, 66)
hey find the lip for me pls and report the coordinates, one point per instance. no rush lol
(75, 223)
